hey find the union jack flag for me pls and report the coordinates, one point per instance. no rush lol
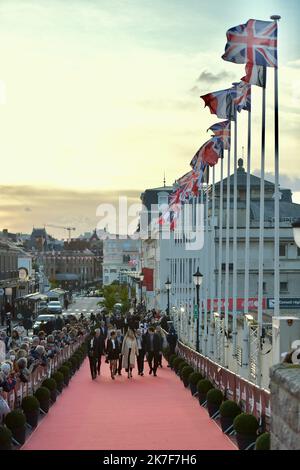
(254, 42)
(243, 96)
(222, 130)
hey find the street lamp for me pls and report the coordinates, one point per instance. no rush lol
(168, 287)
(141, 276)
(197, 278)
(296, 232)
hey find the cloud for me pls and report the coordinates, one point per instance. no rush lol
(208, 77)
(56, 206)
(285, 181)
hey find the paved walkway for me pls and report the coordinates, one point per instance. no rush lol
(153, 413)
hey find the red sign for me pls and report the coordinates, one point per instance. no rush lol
(252, 304)
(148, 279)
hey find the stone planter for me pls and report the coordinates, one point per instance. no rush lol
(45, 405)
(53, 395)
(244, 440)
(201, 398)
(193, 388)
(212, 408)
(32, 417)
(226, 422)
(19, 434)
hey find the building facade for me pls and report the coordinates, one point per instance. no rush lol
(120, 255)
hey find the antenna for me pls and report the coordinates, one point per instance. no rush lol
(164, 179)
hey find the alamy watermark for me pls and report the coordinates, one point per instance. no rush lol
(183, 222)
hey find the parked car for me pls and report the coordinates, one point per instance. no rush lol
(54, 306)
(43, 307)
(48, 320)
(68, 317)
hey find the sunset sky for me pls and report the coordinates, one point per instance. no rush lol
(99, 97)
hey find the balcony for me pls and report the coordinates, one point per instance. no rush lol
(8, 275)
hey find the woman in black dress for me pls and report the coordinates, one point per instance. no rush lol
(113, 353)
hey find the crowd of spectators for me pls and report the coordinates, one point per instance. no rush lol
(21, 355)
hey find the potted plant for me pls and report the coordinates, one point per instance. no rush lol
(43, 396)
(214, 399)
(245, 426)
(73, 360)
(59, 379)
(177, 363)
(185, 373)
(68, 364)
(5, 438)
(52, 387)
(172, 359)
(182, 365)
(31, 407)
(194, 378)
(228, 410)
(15, 421)
(263, 441)
(203, 386)
(66, 374)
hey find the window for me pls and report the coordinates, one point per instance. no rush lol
(282, 249)
(264, 287)
(298, 251)
(283, 287)
(230, 267)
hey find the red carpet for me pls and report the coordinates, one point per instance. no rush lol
(142, 413)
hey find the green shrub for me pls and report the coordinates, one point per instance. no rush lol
(50, 384)
(58, 377)
(65, 371)
(172, 359)
(177, 362)
(194, 378)
(42, 393)
(181, 366)
(5, 435)
(263, 442)
(30, 403)
(74, 362)
(15, 419)
(229, 409)
(245, 423)
(204, 385)
(68, 364)
(186, 372)
(215, 396)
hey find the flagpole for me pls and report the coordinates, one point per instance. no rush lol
(261, 225)
(212, 264)
(235, 257)
(247, 225)
(220, 255)
(207, 269)
(201, 287)
(225, 332)
(276, 18)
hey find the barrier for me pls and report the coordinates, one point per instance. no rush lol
(21, 390)
(249, 396)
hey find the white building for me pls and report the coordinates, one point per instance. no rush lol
(120, 255)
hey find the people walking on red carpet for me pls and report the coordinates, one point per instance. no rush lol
(163, 343)
(153, 347)
(100, 344)
(120, 339)
(113, 352)
(140, 340)
(93, 354)
(129, 352)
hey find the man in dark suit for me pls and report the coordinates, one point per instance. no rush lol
(93, 354)
(100, 345)
(103, 329)
(153, 347)
(141, 344)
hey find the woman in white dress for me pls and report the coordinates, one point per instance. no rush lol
(129, 352)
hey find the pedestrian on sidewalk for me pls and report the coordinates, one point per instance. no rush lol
(172, 340)
(93, 354)
(113, 352)
(140, 340)
(153, 346)
(129, 352)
